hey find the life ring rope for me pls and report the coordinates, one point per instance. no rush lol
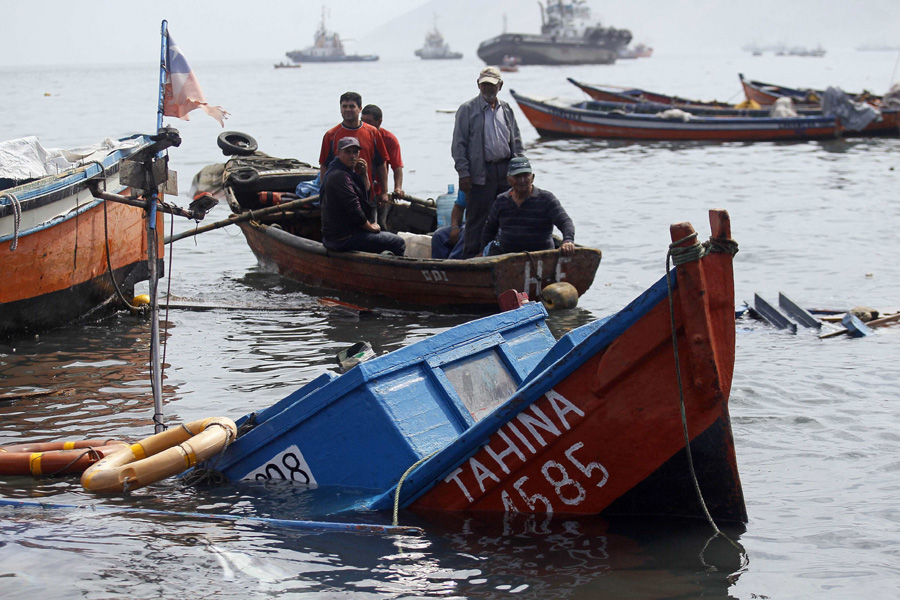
(159, 456)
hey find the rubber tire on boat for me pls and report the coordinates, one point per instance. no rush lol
(559, 296)
(235, 143)
(243, 177)
(517, 39)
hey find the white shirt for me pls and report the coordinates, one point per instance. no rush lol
(496, 133)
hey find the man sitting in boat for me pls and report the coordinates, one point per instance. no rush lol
(372, 148)
(348, 219)
(449, 241)
(525, 215)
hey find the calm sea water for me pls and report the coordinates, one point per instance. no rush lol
(814, 420)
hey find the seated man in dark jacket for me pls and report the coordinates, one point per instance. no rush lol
(525, 216)
(348, 219)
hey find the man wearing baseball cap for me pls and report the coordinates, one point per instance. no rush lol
(525, 216)
(485, 137)
(348, 218)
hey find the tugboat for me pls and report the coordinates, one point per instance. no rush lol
(436, 48)
(327, 48)
(566, 38)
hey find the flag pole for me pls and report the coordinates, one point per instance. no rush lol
(152, 260)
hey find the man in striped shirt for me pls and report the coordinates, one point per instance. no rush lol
(525, 215)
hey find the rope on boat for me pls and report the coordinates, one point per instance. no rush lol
(400, 484)
(17, 219)
(680, 256)
(125, 302)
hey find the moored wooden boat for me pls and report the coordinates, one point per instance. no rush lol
(578, 119)
(767, 93)
(611, 93)
(63, 252)
(291, 246)
(638, 101)
(493, 416)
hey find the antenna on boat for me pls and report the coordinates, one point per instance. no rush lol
(152, 261)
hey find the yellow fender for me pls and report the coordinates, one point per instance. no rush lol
(559, 296)
(159, 456)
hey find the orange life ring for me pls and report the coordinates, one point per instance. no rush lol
(55, 458)
(159, 456)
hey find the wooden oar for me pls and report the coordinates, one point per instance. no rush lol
(415, 200)
(244, 216)
(873, 323)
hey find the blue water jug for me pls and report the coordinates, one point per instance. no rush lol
(445, 205)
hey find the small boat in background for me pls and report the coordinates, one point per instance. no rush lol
(558, 118)
(436, 48)
(327, 47)
(612, 93)
(767, 93)
(638, 51)
(568, 37)
(614, 418)
(64, 254)
(284, 65)
(510, 64)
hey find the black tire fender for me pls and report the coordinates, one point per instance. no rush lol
(243, 177)
(235, 143)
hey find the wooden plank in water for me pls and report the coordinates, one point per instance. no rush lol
(800, 315)
(772, 315)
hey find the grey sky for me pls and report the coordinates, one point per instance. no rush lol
(107, 31)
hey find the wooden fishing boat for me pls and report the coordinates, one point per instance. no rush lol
(290, 244)
(616, 417)
(63, 252)
(556, 118)
(612, 93)
(641, 102)
(767, 93)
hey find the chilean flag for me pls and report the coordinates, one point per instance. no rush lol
(183, 93)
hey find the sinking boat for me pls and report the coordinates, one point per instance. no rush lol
(289, 243)
(625, 415)
(66, 255)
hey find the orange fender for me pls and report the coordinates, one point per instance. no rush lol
(55, 458)
(159, 456)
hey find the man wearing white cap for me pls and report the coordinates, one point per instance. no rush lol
(348, 219)
(485, 137)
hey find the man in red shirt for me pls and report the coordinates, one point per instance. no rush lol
(372, 115)
(372, 150)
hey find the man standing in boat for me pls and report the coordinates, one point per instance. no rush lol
(371, 143)
(525, 215)
(485, 137)
(372, 115)
(348, 219)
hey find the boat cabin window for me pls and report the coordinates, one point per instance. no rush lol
(481, 381)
